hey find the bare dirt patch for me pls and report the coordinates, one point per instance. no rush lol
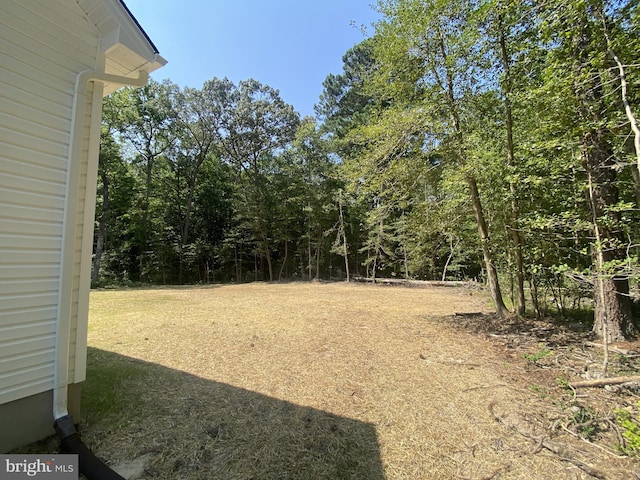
(327, 381)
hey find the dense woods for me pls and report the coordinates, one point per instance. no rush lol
(493, 140)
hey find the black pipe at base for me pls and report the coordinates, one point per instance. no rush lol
(90, 466)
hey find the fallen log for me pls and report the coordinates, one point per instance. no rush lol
(601, 382)
(413, 283)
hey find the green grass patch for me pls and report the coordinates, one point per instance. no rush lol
(542, 352)
(631, 431)
(111, 391)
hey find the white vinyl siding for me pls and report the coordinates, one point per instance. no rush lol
(44, 44)
(45, 252)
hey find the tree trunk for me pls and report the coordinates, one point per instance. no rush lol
(635, 173)
(267, 256)
(613, 308)
(343, 231)
(346, 261)
(97, 255)
(534, 295)
(613, 314)
(102, 230)
(449, 90)
(309, 268)
(284, 261)
(452, 249)
(236, 264)
(192, 182)
(515, 209)
(492, 274)
(318, 253)
(624, 95)
(146, 226)
(270, 266)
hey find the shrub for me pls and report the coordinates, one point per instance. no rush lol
(631, 431)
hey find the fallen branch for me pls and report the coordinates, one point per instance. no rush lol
(482, 387)
(612, 348)
(564, 453)
(490, 476)
(601, 382)
(413, 283)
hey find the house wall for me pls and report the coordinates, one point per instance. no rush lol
(29, 419)
(44, 44)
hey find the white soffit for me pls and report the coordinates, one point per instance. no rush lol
(126, 46)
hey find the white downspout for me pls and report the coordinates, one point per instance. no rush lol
(65, 287)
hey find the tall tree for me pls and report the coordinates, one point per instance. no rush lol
(501, 18)
(115, 193)
(429, 47)
(256, 128)
(311, 168)
(344, 102)
(110, 169)
(579, 69)
(199, 118)
(147, 125)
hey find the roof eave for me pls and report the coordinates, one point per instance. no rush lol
(126, 46)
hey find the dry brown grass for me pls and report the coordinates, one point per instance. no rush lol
(315, 381)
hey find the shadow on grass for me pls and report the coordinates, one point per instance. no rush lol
(201, 429)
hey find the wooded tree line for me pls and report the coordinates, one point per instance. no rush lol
(491, 139)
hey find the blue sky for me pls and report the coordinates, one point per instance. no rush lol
(290, 45)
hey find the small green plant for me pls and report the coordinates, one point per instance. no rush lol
(563, 383)
(585, 421)
(539, 355)
(538, 390)
(622, 364)
(631, 431)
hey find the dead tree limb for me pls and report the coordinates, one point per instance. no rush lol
(601, 382)
(612, 348)
(561, 451)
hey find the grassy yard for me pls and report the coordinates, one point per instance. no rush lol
(313, 381)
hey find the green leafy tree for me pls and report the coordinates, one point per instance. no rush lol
(578, 80)
(344, 102)
(314, 172)
(256, 127)
(429, 60)
(147, 128)
(114, 202)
